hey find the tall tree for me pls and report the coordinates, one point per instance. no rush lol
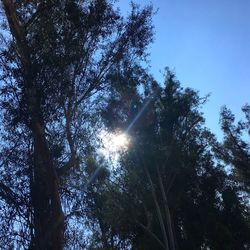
(170, 192)
(58, 60)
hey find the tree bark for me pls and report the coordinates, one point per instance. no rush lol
(47, 212)
(48, 215)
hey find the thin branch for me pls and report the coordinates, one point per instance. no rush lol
(150, 234)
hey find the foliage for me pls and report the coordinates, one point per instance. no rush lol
(235, 150)
(58, 61)
(170, 192)
(70, 68)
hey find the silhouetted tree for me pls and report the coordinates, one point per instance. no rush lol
(235, 150)
(57, 64)
(170, 193)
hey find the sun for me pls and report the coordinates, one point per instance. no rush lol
(112, 144)
(120, 141)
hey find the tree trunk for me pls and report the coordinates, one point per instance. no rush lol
(45, 198)
(167, 212)
(48, 215)
(158, 210)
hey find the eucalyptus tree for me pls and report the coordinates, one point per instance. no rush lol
(58, 64)
(170, 192)
(235, 149)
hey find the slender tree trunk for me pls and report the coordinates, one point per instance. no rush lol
(167, 211)
(158, 210)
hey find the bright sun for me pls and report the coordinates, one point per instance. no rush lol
(112, 144)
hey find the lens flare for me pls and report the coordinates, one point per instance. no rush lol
(113, 143)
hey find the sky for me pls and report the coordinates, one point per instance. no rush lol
(207, 44)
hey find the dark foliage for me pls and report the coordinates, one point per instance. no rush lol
(70, 68)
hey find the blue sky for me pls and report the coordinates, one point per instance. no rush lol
(207, 43)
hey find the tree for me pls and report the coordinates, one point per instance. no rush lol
(235, 150)
(170, 192)
(58, 62)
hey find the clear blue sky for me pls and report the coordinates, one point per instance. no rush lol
(207, 43)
